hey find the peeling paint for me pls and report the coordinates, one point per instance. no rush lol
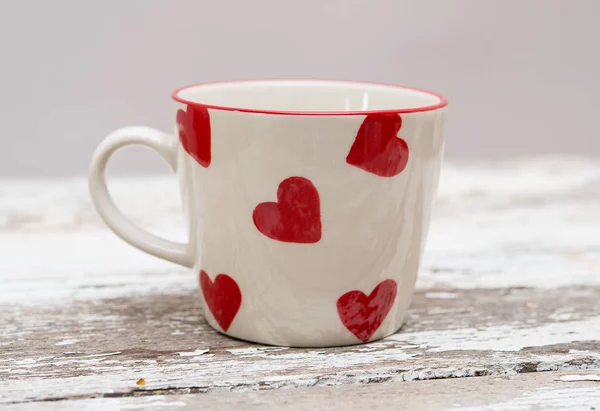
(66, 342)
(193, 353)
(586, 377)
(255, 350)
(504, 337)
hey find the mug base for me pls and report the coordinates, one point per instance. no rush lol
(350, 341)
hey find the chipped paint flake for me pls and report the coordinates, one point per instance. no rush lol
(255, 350)
(574, 377)
(194, 353)
(67, 342)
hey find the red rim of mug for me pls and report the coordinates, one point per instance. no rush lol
(442, 101)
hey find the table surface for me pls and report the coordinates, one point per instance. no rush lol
(506, 314)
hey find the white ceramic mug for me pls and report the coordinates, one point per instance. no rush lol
(308, 203)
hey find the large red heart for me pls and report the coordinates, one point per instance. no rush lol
(223, 297)
(361, 314)
(377, 147)
(194, 133)
(295, 217)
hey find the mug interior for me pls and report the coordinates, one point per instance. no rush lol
(309, 97)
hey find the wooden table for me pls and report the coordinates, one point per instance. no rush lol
(506, 314)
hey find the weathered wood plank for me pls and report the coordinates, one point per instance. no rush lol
(519, 392)
(90, 349)
(509, 285)
(503, 225)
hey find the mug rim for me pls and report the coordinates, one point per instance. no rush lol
(441, 104)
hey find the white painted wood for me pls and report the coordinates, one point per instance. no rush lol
(495, 226)
(579, 377)
(519, 392)
(509, 285)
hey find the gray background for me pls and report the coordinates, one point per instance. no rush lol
(521, 75)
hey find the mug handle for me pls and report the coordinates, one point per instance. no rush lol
(166, 145)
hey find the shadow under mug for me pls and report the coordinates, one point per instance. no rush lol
(307, 202)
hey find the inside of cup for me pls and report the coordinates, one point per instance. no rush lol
(308, 96)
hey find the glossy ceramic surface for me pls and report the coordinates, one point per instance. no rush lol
(308, 204)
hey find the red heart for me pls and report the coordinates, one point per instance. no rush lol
(295, 217)
(194, 133)
(223, 297)
(361, 314)
(377, 148)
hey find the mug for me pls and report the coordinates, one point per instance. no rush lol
(307, 203)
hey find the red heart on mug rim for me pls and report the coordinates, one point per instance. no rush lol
(194, 133)
(377, 148)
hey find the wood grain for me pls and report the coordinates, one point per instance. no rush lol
(509, 286)
(519, 392)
